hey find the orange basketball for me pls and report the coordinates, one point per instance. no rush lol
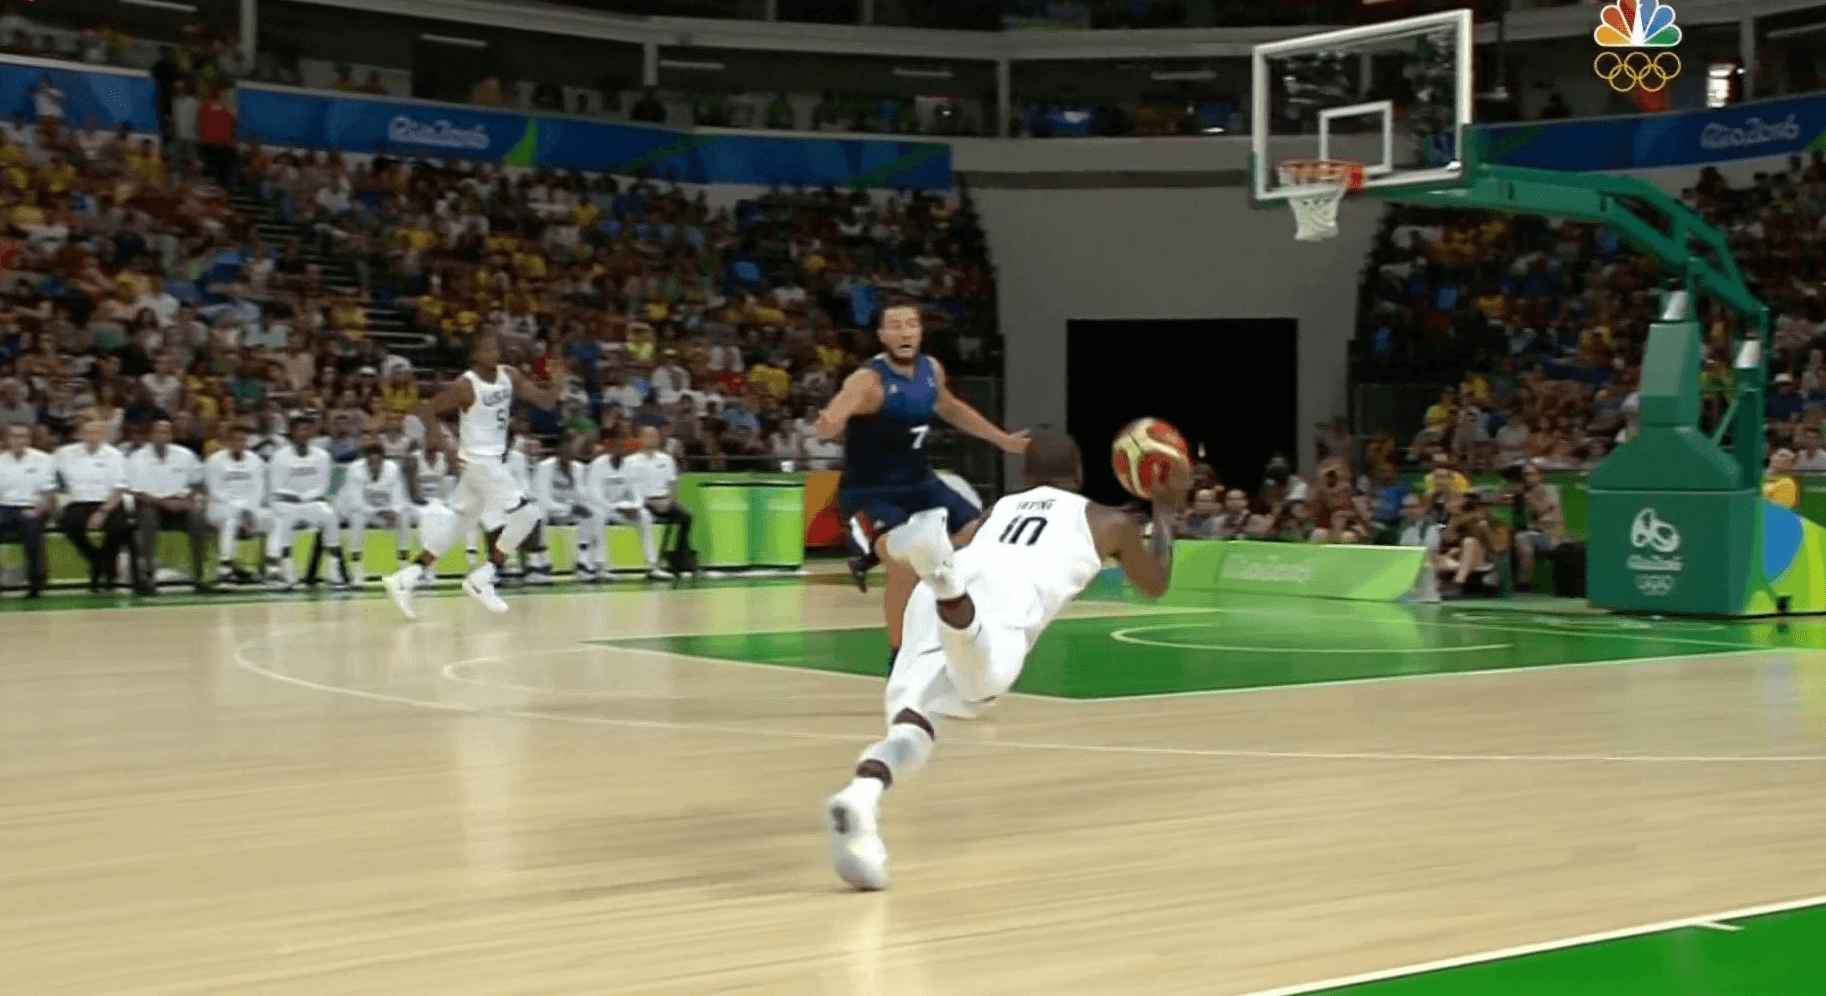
(1144, 454)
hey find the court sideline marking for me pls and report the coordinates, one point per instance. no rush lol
(1712, 921)
(239, 658)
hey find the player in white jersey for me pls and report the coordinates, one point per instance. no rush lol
(235, 478)
(482, 400)
(613, 501)
(560, 486)
(977, 612)
(373, 492)
(299, 482)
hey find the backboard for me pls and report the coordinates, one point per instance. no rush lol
(1395, 96)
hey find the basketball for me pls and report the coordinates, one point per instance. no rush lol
(1144, 453)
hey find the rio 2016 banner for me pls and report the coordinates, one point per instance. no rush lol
(1693, 138)
(107, 96)
(352, 123)
(1361, 573)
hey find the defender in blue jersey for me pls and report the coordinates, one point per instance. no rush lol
(885, 411)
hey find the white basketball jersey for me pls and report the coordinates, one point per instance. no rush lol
(1038, 539)
(300, 476)
(385, 493)
(434, 477)
(482, 428)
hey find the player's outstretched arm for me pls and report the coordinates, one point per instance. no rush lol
(958, 412)
(1146, 562)
(861, 390)
(544, 396)
(448, 403)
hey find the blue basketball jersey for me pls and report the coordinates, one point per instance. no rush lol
(887, 447)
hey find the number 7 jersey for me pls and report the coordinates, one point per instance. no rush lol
(1039, 540)
(887, 447)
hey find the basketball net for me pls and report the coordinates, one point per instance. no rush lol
(1315, 188)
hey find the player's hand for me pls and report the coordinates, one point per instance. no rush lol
(1172, 492)
(1015, 442)
(95, 521)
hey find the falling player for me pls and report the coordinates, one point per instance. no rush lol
(884, 412)
(977, 613)
(482, 400)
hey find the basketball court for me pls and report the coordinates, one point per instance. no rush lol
(619, 791)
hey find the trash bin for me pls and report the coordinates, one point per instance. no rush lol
(727, 512)
(777, 528)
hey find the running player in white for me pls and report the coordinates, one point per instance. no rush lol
(373, 492)
(301, 475)
(482, 399)
(976, 614)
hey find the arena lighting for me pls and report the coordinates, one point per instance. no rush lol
(188, 8)
(923, 74)
(1190, 75)
(708, 67)
(1799, 29)
(453, 40)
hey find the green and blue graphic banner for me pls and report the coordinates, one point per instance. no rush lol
(109, 97)
(1693, 138)
(355, 123)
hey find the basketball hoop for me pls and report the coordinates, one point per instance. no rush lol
(1317, 185)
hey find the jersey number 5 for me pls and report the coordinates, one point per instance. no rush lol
(919, 436)
(1017, 530)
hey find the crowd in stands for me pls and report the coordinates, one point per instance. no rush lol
(136, 295)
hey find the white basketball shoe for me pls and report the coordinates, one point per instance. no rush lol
(857, 853)
(480, 585)
(924, 541)
(399, 587)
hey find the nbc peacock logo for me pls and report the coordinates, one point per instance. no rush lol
(1637, 25)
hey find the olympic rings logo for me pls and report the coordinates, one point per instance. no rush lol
(1636, 70)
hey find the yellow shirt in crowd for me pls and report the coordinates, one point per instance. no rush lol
(1782, 490)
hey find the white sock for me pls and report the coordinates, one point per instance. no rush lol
(868, 790)
(484, 574)
(411, 574)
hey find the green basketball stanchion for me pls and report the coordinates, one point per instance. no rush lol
(725, 517)
(777, 527)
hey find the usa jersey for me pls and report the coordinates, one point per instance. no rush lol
(483, 426)
(1039, 540)
(886, 447)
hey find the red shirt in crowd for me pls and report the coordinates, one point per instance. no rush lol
(215, 123)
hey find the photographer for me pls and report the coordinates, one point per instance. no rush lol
(1469, 545)
(1540, 527)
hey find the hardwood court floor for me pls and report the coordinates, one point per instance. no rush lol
(594, 794)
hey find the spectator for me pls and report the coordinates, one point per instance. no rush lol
(1779, 484)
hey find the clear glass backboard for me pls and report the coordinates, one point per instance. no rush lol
(1395, 97)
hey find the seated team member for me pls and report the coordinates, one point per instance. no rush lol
(235, 479)
(373, 493)
(300, 478)
(561, 486)
(614, 502)
(166, 480)
(28, 495)
(94, 477)
(654, 476)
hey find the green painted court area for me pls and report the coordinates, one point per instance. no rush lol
(1769, 954)
(1256, 642)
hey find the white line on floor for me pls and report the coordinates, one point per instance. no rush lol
(1528, 949)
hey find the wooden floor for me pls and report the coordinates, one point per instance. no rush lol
(317, 797)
